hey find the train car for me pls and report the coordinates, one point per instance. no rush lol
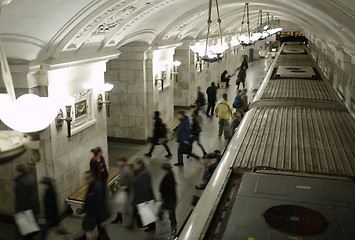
(288, 172)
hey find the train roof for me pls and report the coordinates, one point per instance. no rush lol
(316, 141)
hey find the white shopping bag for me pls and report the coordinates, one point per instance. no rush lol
(149, 211)
(26, 222)
(120, 202)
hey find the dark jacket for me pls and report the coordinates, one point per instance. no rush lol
(184, 132)
(196, 128)
(159, 131)
(26, 193)
(212, 94)
(224, 76)
(242, 75)
(142, 187)
(234, 125)
(50, 206)
(207, 174)
(200, 99)
(168, 191)
(94, 168)
(95, 204)
(244, 64)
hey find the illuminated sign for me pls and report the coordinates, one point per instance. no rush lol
(296, 33)
(286, 33)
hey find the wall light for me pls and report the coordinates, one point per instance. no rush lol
(162, 79)
(101, 101)
(174, 72)
(69, 101)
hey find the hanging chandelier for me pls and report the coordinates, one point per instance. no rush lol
(215, 52)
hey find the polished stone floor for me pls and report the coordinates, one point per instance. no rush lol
(187, 177)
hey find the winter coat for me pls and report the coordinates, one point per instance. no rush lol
(200, 99)
(212, 94)
(168, 191)
(95, 204)
(244, 64)
(244, 101)
(50, 206)
(99, 169)
(26, 193)
(159, 131)
(242, 75)
(196, 127)
(223, 110)
(234, 125)
(184, 131)
(142, 187)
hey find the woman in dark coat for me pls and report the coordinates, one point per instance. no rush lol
(159, 136)
(50, 209)
(241, 76)
(168, 193)
(98, 168)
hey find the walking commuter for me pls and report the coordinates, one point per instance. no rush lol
(142, 190)
(196, 130)
(91, 231)
(169, 196)
(200, 101)
(244, 103)
(95, 203)
(98, 168)
(159, 136)
(223, 112)
(225, 78)
(237, 117)
(237, 101)
(212, 98)
(50, 210)
(184, 140)
(244, 64)
(26, 194)
(241, 76)
(126, 172)
(210, 163)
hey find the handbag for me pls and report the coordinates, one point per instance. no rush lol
(148, 212)
(120, 202)
(26, 222)
(185, 148)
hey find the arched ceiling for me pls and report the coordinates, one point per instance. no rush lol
(40, 31)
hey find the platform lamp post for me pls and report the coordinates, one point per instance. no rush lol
(101, 101)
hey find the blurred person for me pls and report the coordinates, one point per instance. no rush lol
(241, 77)
(237, 118)
(159, 136)
(210, 162)
(244, 64)
(196, 130)
(237, 101)
(223, 112)
(91, 231)
(126, 178)
(98, 168)
(142, 190)
(51, 210)
(95, 204)
(169, 196)
(26, 194)
(200, 101)
(212, 98)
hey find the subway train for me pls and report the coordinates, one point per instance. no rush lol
(288, 172)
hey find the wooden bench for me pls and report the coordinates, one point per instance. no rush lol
(171, 125)
(77, 199)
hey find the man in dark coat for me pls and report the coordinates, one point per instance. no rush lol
(196, 130)
(95, 204)
(244, 64)
(168, 194)
(184, 134)
(26, 193)
(225, 78)
(212, 98)
(200, 101)
(91, 231)
(142, 189)
(159, 136)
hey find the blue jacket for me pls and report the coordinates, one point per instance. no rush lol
(184, 130)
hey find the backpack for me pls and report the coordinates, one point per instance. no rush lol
(238, 101)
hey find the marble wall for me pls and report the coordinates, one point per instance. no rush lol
(61, 158)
